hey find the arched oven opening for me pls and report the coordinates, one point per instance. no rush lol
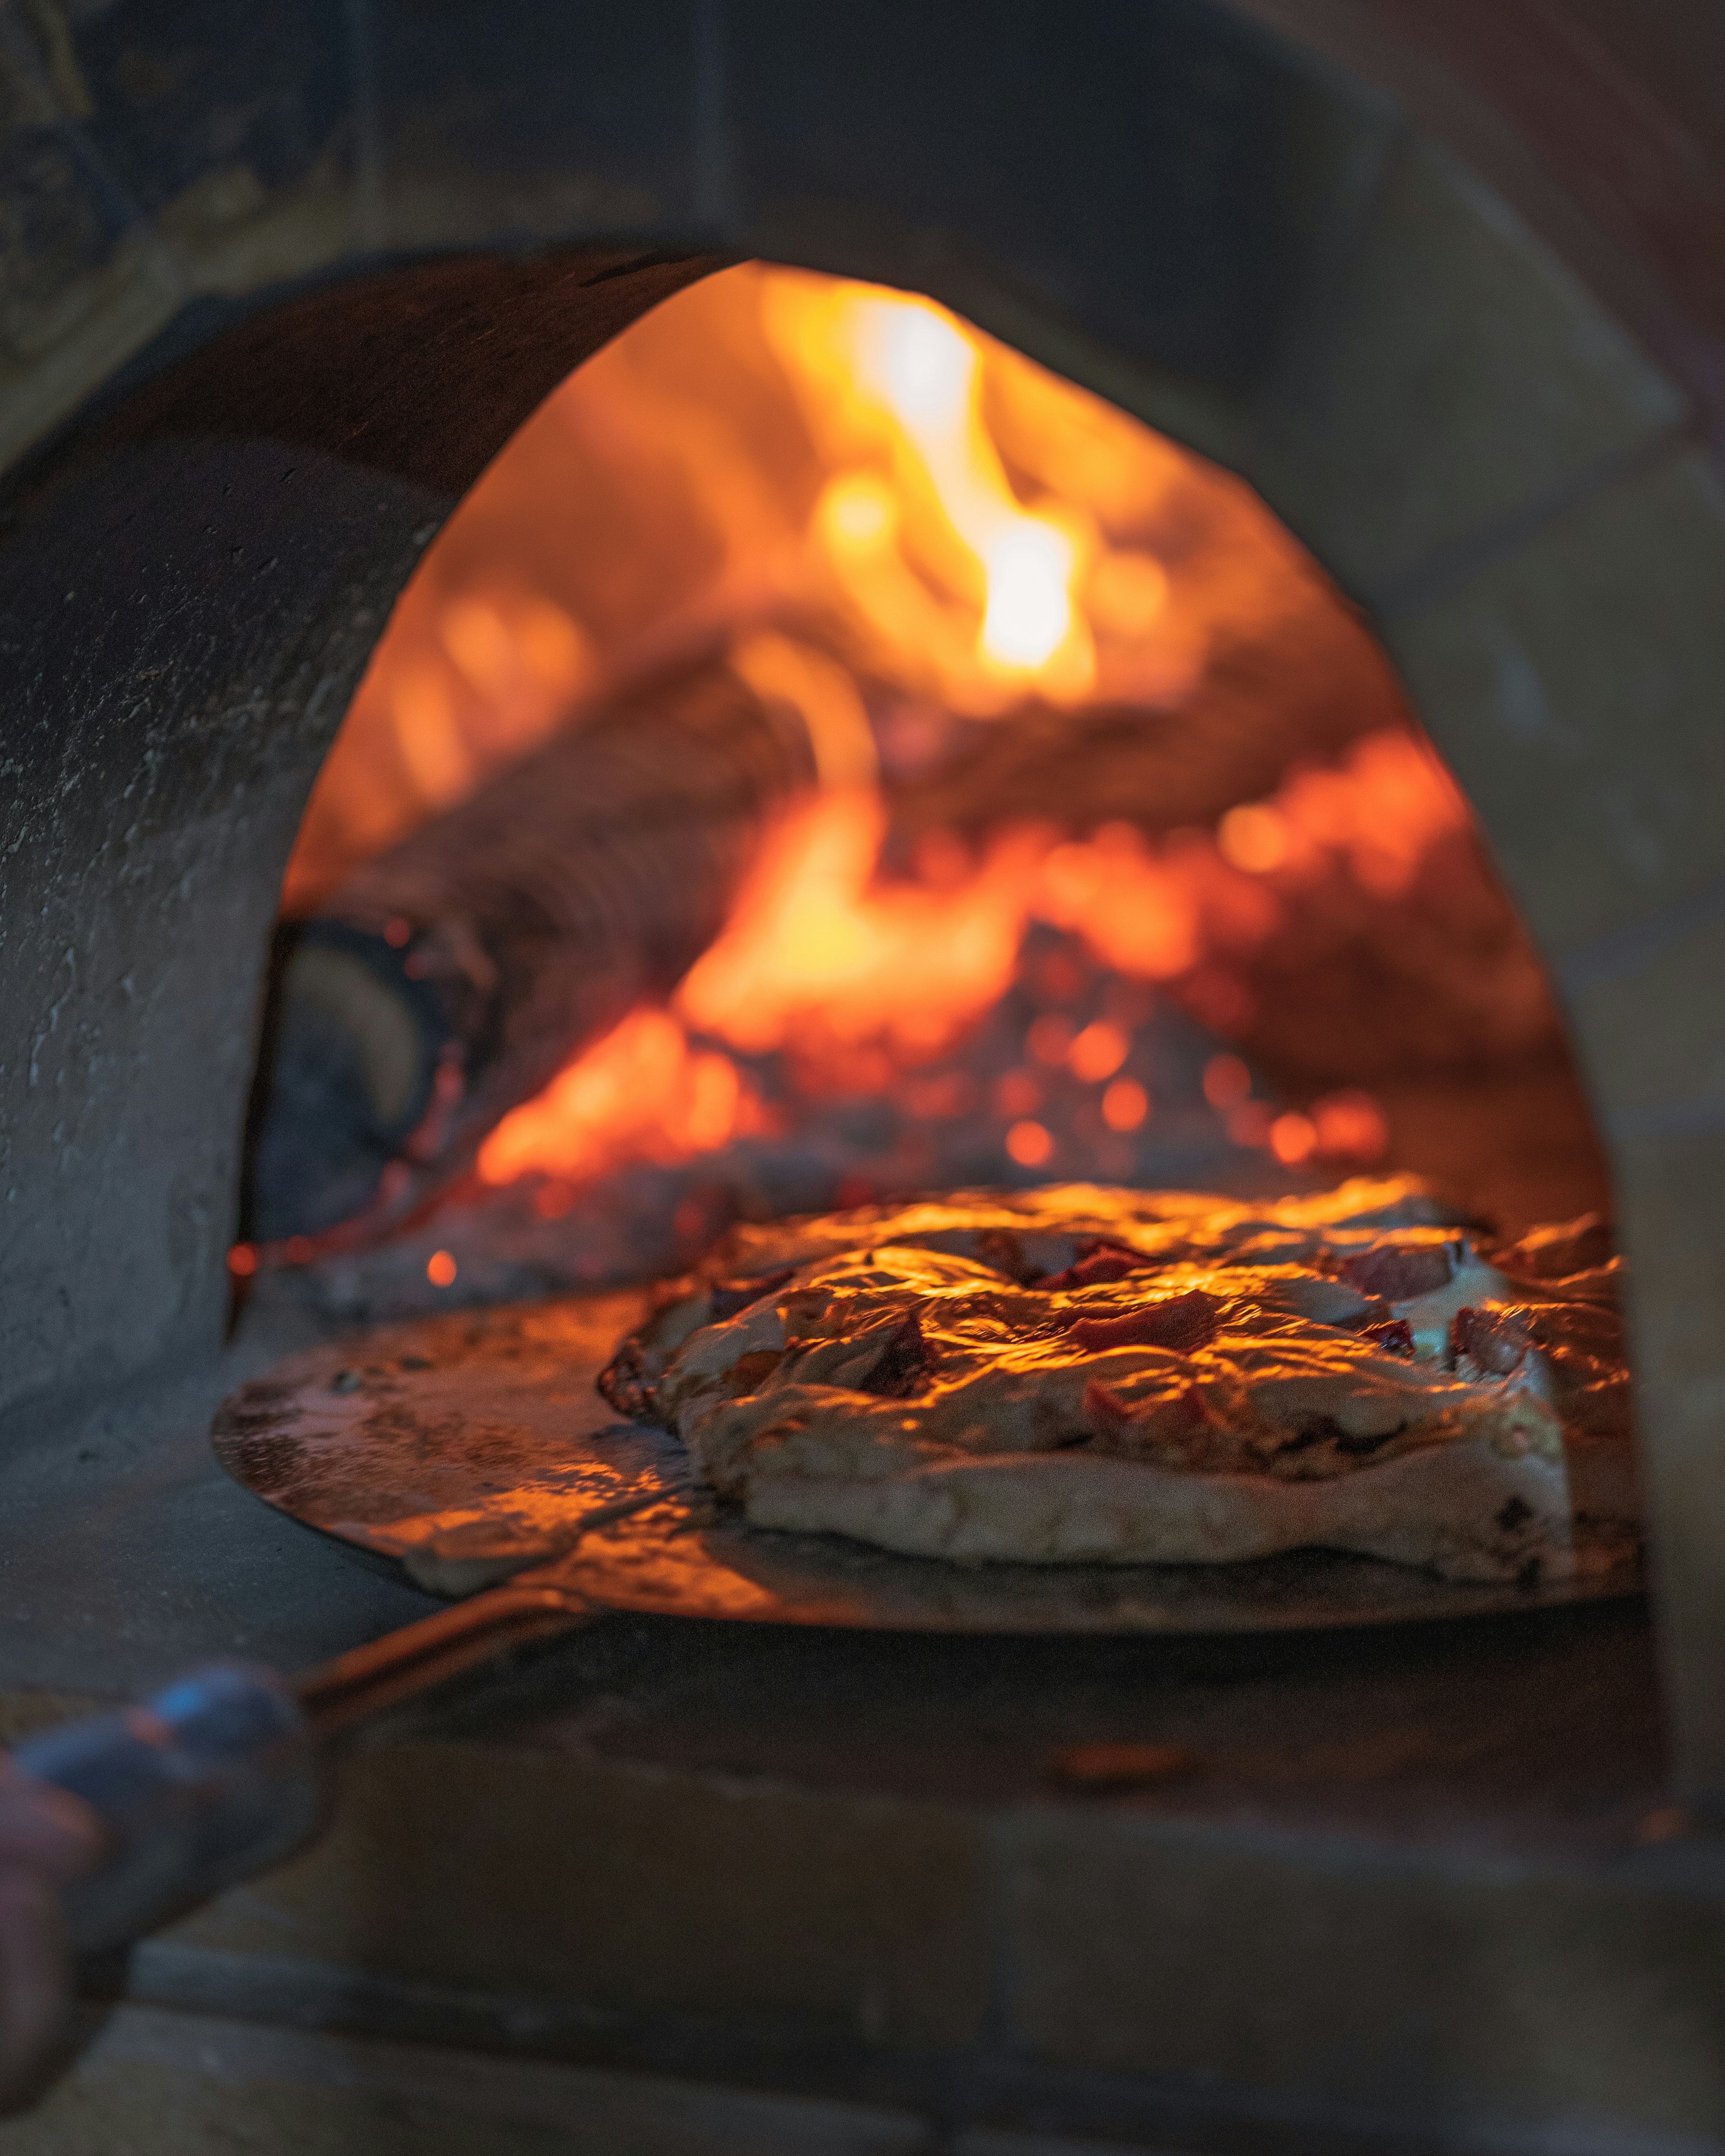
(978, 785)
(827, 758)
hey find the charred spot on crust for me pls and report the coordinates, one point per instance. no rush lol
(624, 1384)
(1530, 1573)
(1099, 1261)
(903, 1366)
(748, 1371)
(1514, 1512)
(1318, 1430)
(1004, 1250)
(1396, 1273)
(1356, 1443)
(728, 1297)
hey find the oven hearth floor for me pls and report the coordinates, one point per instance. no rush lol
(1406, 1891)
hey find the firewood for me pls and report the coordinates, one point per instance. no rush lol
(449, 980)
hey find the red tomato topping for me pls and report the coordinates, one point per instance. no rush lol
(1179, 1321)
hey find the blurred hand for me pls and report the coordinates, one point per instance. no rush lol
(48, 1837)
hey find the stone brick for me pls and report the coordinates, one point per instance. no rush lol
(1159, 176)
(536, 121)
(1495, 1995)
(158, 2082)
(1547, 677)
(1666, 1185)
(987, 2141)
(1452, 372)
(173, 103)
(636, 1891)
(1669, 1167)
(1682, 1430)
(1651, 1029)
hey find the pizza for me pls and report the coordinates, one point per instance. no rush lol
(1082, 1375)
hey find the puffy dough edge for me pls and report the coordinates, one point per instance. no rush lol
(1462, 1510)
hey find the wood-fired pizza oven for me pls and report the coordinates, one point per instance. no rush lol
(1445, 284)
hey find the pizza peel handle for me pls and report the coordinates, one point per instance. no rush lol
(367, 1680)
(221, 1775)
(211, 1780)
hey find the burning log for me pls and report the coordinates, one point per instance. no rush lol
(444, 983)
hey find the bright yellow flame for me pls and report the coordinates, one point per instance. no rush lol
(917, 357)
(949, 567)
(814, 942)
(859, 510)
(1030, 612)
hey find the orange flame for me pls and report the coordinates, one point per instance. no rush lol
(935, 551)
(822, 957)
(642, 1093)
(814, 944)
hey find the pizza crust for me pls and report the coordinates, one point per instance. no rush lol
(1464, 1512)
(1080, 1375)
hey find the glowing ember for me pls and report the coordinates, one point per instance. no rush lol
(1029, 1144)
(1349, 1126)
(1098, 1052)
(863, 978)
(1125, 1105)
(1252, 838)
(1293, 1139)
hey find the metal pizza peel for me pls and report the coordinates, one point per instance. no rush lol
(473, 1449)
